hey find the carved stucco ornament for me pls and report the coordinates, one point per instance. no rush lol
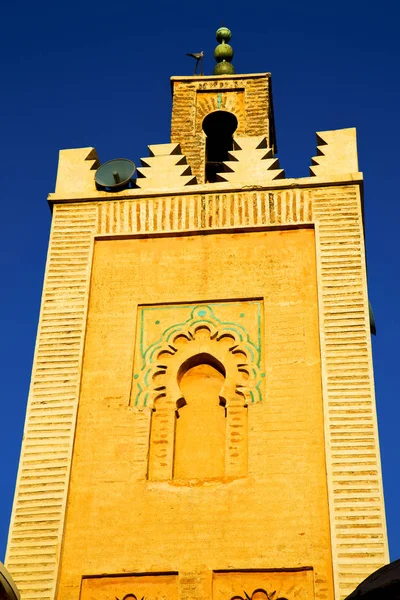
(203, 333)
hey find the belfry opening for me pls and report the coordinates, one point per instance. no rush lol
(219, 127)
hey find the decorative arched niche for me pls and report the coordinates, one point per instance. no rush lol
(200, 426)
(206, 354)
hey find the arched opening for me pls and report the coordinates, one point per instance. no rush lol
(260, 594)
(200, 424)
(219, 127)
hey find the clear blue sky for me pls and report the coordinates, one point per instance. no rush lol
(80, 73)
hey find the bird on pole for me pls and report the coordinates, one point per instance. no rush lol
(198, 56)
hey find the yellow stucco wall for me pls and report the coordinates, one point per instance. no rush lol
(276, 517)
(353, 475)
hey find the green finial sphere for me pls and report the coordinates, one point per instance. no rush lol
(224, 68)
(223, 34)
(223, 52)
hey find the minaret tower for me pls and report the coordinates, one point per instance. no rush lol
(201, 422)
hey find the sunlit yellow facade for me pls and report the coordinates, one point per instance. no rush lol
(201, 422)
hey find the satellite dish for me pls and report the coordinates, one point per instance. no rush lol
(115, 174)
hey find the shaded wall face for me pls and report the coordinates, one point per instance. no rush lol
(255, 499)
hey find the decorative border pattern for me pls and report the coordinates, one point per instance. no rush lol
(144, 309)
(359, 542)
(200, 212)
(147, 387)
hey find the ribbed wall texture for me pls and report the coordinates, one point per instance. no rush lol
(40, 500)
(211, 211)
(353, 466)
(353, 463)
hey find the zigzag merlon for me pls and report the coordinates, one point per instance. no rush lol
(76, 170)
(336, 153)
(251, 162)
(165, 167)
